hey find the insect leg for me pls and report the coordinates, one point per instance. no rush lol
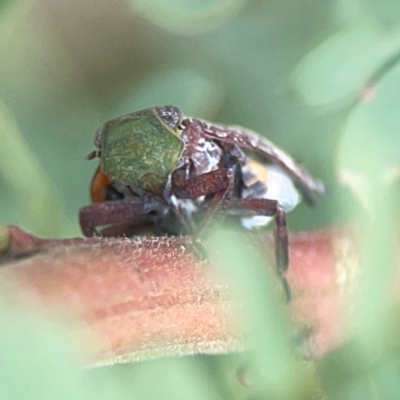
(130, 210)
(218, 183)
(269, 208)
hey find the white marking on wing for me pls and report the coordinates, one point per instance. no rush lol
(278, 187)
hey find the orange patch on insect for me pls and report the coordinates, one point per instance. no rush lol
(258, 170)
(98, 186)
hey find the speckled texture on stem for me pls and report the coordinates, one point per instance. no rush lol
(145, 297)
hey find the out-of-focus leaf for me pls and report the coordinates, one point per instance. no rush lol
(368, 150)
(370, 142)
(349, 373)
(388, 381)
(342, 374)
(386, 11)
(169, 378)
(35, 361)
(196, 94)
(188, 16)
(40, 362)
(271, 361)
(36, 203)
(351, 12)
(335, 72)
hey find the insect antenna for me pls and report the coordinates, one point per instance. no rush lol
(93, 154)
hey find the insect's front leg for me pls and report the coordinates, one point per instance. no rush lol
(131, 210)
(218, 183)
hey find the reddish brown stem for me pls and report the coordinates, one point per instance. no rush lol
(147, 296)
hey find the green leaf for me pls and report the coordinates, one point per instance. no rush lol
(268, 337)
(387, 12)
(370, 142)
(384, 13)
(188, 16)
(171, 378)
(368, 154)
(36, 360)
(335, 72)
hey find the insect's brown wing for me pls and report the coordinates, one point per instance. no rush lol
(247, 139)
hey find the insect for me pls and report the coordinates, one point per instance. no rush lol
(174, 173)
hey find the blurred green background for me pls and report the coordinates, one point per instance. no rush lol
(319, 78)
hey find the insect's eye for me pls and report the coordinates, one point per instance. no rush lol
(171, 115)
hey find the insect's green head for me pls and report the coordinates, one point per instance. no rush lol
(143, 148)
